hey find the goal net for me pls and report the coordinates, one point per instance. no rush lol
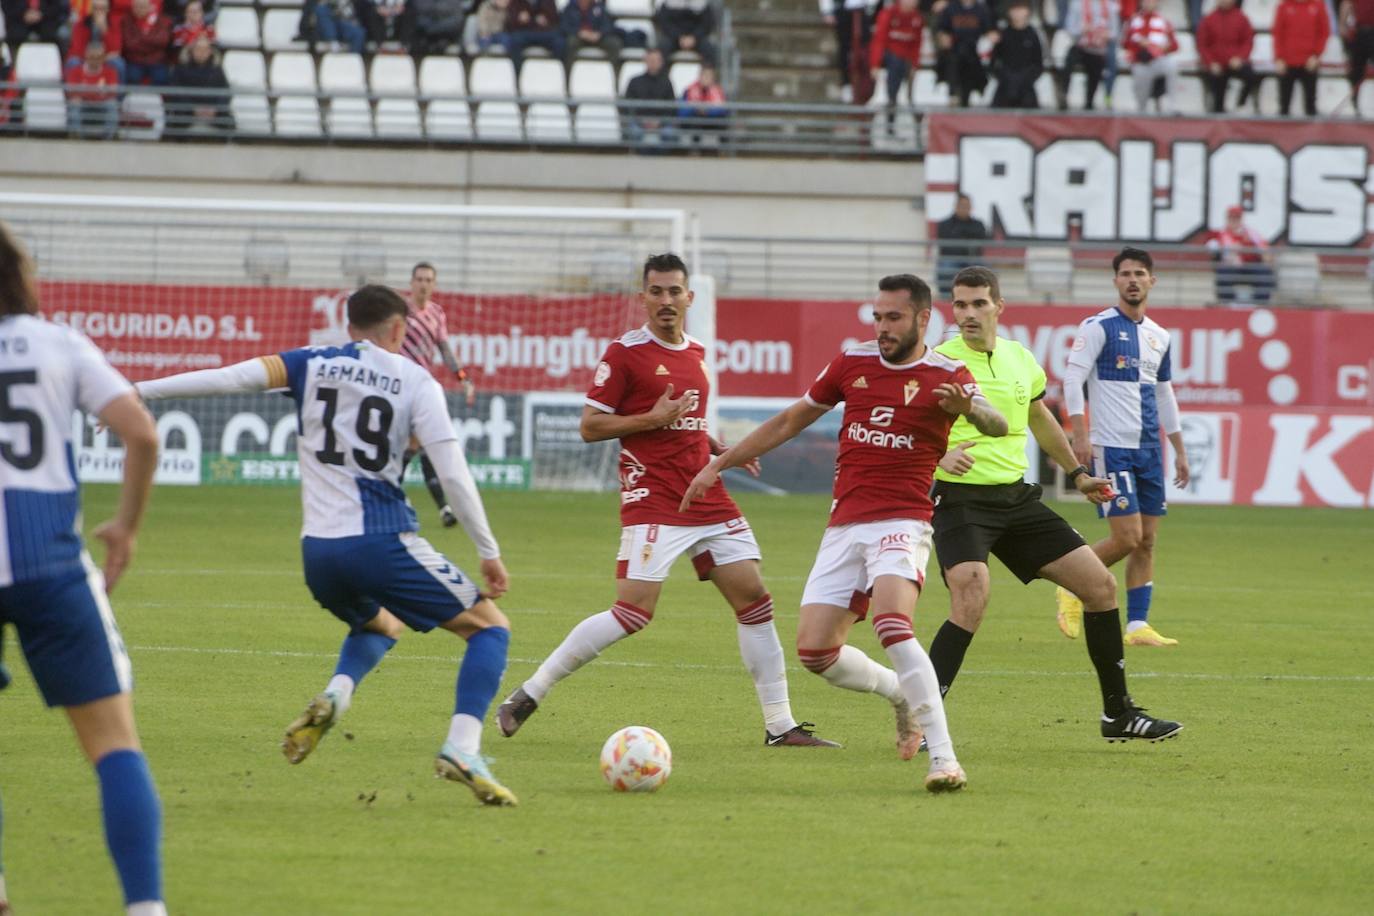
(532, 296)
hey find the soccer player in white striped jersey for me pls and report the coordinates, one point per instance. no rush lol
(1125, 358)
(49, 589)
(426, 334)
(359, 405)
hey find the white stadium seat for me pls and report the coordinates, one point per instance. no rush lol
(543, 79)
(279, 28)
(492, 76)
(628, 71)
(237, 27)
(394, 74)
(641, 25)
(37, 63)
(145, 111)
(591, 80)
(297, 115)
(448, 120)
(635, 8)
(341, 76)
(548, 122)
(442, 76)
(44, 108)
(499, 121)
(683, 74)
(597, 122)
(247, 74)
(926, 91)
(1186, 55)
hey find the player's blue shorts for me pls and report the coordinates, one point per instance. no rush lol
(1137, 476)
(352, 577)
(69, 637)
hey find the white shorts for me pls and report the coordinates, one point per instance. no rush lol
(852, 557)
(647, 552)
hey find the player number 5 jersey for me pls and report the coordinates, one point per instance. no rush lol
(357, 406)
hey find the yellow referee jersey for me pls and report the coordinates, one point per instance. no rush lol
(1010, 379)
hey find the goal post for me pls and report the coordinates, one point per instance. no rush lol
(533, 295)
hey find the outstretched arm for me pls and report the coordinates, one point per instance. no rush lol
(257, 374)
(958, 400)
(771, 433)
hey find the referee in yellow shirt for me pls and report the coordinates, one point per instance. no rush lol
(984, 505)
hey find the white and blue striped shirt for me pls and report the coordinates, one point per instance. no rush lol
(1124, 362)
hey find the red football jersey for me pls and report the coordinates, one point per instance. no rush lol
(893, 433)
(656, 466)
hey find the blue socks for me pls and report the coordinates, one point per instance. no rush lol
(1138, 602)
(361, 652)
(133, 823)
(479, 677)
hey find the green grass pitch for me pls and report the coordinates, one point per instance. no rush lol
(1264, 804)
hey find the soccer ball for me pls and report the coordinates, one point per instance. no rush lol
(636, 759)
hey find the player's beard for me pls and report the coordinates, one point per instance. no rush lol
(904, 347)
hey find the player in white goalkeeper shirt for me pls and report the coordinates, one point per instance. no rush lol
(359, 406)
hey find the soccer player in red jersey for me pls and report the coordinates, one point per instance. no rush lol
(663, 441)
(901, 398)
(426, 332)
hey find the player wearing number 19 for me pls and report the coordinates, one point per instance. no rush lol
(359, 405)
(49, 588)
(984, 505)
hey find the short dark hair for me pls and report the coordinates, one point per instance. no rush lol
(917, 289)
(976, 276)
(664, 263)
(18, 291)
(372, 305)
(423, 265)
(1133, 254)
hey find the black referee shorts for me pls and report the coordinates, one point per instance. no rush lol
(1007, 520)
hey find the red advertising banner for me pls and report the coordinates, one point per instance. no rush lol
(1165, 180)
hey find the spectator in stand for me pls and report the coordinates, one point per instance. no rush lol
(98, 25)
(652, 85)
(586, 24)
(147, 39)
(387, 20)
(703, 105)
(853, 28)
(686, 25)
(958, 30)
(1018, 59)
(1150, 44)
(1224, 43)
(1094, 25)
(483, 29)
(198, 67)
(1243, 259)
(336, 22)
(1357, 31)
(437, 24)
(33, 20)
(531, 23)
(896, 49)
(191, 27)
(176, 9)
(92, 95)
(1301, 29)
(956, 249)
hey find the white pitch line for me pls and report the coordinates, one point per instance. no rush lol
(449, 659)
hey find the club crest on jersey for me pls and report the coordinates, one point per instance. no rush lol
(603, 372)
(646, 553)
(910, 391)
(861, 382)
(660, 370)
(1121, 361)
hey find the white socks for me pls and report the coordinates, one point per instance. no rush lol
(763, 656)
(584, 643)
(340, 687)
(854, 670)
(916, 675)
(147, 908)
(465, 733)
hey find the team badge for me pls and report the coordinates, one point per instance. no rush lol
(646, 553)
(1122, 502)
(910, 391)
(1150, 339)
(660, 370)
(603, 372)
(1020, 393)
(1078, 344)
(861, 382)
(1121, 362)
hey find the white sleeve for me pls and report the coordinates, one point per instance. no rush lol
(461, 491)
(97, 382)
(429, 419)
(1086, 346)
(1168, 408)
(249, 375)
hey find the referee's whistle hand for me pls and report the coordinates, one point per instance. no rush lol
(958, 461)
(1096, 489)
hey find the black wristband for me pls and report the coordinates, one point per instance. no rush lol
(1077, 473)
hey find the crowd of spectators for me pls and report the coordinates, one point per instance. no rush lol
(1012, 43)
